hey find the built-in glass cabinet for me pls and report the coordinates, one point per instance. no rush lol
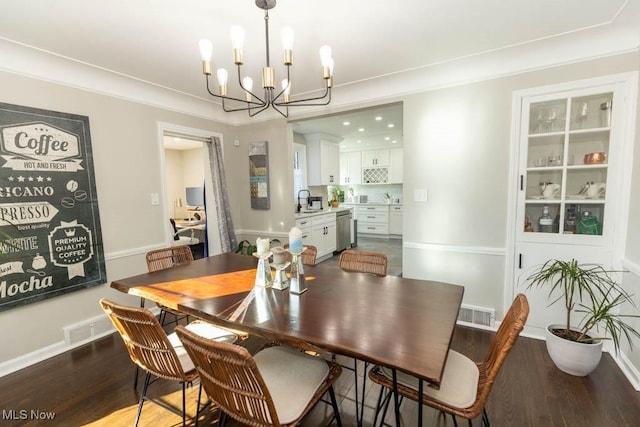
(567, 149)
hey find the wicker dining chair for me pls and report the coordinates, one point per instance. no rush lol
(278, 386)
(161, 259)
(308, 256)
(156, 353)
(363, 262)
(465, 386)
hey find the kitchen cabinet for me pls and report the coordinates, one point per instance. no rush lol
(304, 224)
(351, 168)
(323, 234)
(375, 158)
(323, 159)
(373, 219)
(395, 220)
(396, 158)
(570, 160)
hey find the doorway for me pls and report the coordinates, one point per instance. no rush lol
(185, 170)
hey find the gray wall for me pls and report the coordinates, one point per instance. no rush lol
(127, 166)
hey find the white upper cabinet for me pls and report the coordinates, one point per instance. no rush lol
(396, 156)
(351, 168)
(375, 158)
(323, 159)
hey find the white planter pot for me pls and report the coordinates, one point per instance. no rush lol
(575, 358)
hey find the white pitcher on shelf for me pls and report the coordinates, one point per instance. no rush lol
(596, 190)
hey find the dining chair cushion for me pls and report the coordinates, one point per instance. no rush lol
(205, 330)
(459, 384)
(292, 378)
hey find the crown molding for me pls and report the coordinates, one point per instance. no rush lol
(564, 49)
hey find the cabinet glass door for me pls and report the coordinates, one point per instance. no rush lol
(565, 179)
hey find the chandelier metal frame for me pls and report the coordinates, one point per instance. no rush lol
(278, 100)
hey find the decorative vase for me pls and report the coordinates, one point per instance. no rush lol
(574, 358)
(334, 203)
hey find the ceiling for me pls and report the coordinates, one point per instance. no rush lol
(137, 49)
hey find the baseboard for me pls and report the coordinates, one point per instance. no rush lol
(44, 353)
(628, 369)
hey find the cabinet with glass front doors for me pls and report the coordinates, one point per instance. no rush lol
(565, 164)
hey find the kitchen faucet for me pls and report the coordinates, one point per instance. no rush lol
(299, 208)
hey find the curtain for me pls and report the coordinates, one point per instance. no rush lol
(227, 234)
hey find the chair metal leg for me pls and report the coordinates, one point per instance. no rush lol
(395, 396)
(184, 404)
(198, 405)
(485, 418)
(147, 379)
(378, 405)
(334, 403)
(360, 405)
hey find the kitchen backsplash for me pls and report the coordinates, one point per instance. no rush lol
(375, 193)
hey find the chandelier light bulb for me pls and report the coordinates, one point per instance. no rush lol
(222, 80)
(247, 84)
(223, 76)
(287, 38)
(286, 89)
(325, 55)
(287, 43)
(237, 37)
(237, 41)
(206, 49)
(206, 52)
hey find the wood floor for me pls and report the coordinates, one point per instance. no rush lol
(92, 385)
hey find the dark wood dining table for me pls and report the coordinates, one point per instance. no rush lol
(401, 323)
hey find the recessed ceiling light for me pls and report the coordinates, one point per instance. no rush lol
(390, 125)
(387, 138)
(394, 141)
(361, 130)
(359, 141)
(378, 118)
(346, 123)
(176, 139)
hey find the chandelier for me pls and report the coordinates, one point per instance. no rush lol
(279, 99)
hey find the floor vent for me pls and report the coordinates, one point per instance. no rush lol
(87, 329)
(477, 315)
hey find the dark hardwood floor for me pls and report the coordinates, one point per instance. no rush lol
(93, 385)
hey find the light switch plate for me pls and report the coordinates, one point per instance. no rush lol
(155, 199)
(420, 195)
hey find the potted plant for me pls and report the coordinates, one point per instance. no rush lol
(590, 290)
(335, 196)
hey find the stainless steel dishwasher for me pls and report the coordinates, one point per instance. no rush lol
(343, 229)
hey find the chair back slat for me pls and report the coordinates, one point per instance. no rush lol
(160, 259)
(363, 262)
(231, 378)
(145, 340)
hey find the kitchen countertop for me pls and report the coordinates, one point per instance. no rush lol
(373, 204)
(309, 214)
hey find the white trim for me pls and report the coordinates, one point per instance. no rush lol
(628, 369)
(631, 266)
(477, 250)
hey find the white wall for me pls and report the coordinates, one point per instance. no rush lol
(457, 143)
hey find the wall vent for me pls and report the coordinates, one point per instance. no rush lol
(85, 330)
(476, 315)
